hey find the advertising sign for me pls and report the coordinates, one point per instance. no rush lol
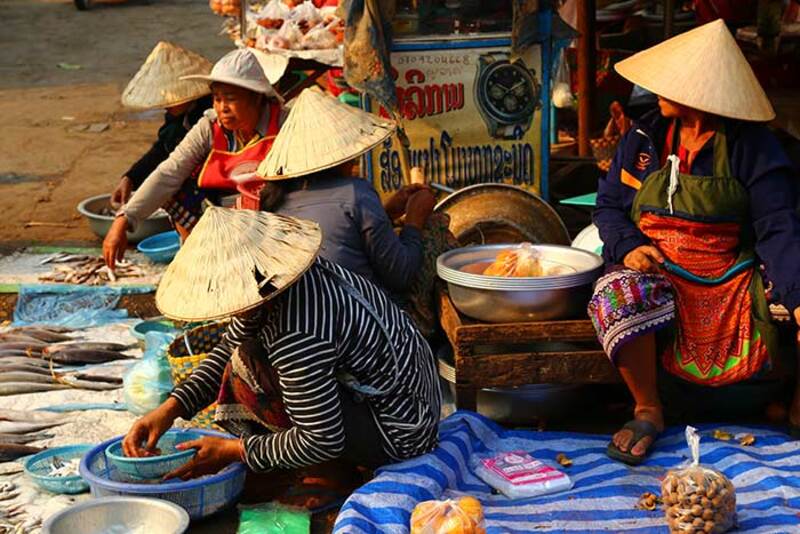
(471, 115)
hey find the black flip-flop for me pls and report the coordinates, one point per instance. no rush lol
(641, 429)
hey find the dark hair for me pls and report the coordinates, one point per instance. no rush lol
(272, 195)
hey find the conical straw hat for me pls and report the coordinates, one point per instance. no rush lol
(158, 83)
(218, 270)
(703, 69)
(319, 133)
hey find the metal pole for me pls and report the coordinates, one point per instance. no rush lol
(586, 74)
(669, 18)
(243, 21)
(546, 26)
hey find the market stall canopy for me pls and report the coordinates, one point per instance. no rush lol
(703, 69)
(320, 133)
(233, 261)
(158, 82)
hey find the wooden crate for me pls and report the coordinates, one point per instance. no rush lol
(516, 354)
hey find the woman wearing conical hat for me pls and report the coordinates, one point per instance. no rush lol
(317, 363)
(698, 195)
(308, 174)
(232, 138)
(157, 85)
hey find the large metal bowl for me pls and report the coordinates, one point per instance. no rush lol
(497, 299)
(92, 209)
(112, 515)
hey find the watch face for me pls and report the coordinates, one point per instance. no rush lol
(508, 92)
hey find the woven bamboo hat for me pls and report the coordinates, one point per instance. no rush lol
(242, 68)
(703, 69)
(320, 133)
(158, 82)
(233, 261)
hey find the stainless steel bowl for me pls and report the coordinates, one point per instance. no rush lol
(497, 299)
(119, 515)
(92, 207)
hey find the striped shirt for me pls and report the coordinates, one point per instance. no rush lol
(314, 332)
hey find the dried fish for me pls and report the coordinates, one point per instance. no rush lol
(16, 353)
(562, 459)
(23, 427)
(22, 367)
(97, 378)
(746, 440)
(19, 388)
(89, 271)
(49, 327)
(24, 360)
(722, 435)
(18, 338)
(93, 386)
(10, 451)
(86, 345)
(78, 356)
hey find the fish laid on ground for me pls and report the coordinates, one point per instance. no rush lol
(6, 367)
(97, 378)
(78, 356)
(18, 354)
(11, 451)
(48, 327)
(18, 338)
(15, 345)
(24, 360)
(24, 427)
(93, 386)
(87, 345)
(20, 388)
(30, 416)
(22, 439)
(46, 336)
(25, 376)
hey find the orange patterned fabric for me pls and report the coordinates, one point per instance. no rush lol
(716, 341)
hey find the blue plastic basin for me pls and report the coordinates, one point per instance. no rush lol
(37, 467)
(161, 248)
(154, 466)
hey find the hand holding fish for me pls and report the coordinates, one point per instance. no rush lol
(116, 242)
(150, 428)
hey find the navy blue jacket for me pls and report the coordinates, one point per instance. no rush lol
(756, 160)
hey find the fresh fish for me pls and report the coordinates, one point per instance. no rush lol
(30, 416)
(16, 345)
(19, 388)
(24, 427)
(17, 354)
(25, 360)
(50, 328)
(22, 439)
(18, 338)
(87, 345)
(78, 356)
(25, 376)
(22, 367)
(64, 257)
(46, 336)
(93, 386)
(11, 451)
(96, 378)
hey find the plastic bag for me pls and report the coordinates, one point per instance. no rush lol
(289, 37)
(273, 15)
(462, 516)
(149, 382)
(273, 518)
(306, 15)
(320, 37)
(70, 306)
(696, 498)
(517, 474)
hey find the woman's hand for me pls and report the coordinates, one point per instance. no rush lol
(148, 429)
(116, 241)
(419, 207)
(645, 259)
(122, 193)
(396, 205)
(797, 320)
(212, 455)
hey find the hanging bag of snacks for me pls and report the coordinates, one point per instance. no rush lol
(698, 499)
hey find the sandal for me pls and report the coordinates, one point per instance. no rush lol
(641, 429)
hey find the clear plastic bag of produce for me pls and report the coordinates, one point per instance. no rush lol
(697, 498)
(273, 518)
(149, 382)
(453, 516)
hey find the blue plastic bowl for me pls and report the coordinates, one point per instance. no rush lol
(157, 324)
(38, 466)
(154, 466)
(161, 248)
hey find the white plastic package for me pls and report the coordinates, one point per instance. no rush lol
(516, 474)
